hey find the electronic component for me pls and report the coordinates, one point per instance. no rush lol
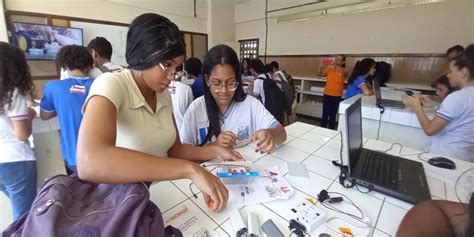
(238, 224)
(271, 229)
(254, 224)
(308, 215)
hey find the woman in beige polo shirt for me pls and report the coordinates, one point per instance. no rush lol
(128, 127)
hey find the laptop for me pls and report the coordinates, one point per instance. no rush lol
(395, 176)
(385, 102)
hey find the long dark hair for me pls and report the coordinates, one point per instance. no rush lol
(152, 39)
(343, 59)
(443, 80)
(360, 69)
(14, 73)
(219, 55)
(466, 60)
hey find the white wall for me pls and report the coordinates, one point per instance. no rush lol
(428, 28)
(3, 26)
(124, 11)
(220, 24)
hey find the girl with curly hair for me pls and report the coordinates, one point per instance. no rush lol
(17, 162)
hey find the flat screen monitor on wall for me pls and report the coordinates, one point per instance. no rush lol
(42, 42)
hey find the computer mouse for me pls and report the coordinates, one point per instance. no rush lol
(442, 163)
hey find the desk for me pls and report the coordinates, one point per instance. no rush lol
(396, 126)
(315, 147)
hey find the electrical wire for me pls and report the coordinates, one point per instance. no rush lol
(382, 110)
(393, 145)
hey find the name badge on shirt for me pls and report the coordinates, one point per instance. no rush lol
(77, 89)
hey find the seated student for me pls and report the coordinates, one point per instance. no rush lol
(226, 116)
(64, 98)
(443, 89)
(452, 127)
(17, 160)
(128, 135)
(445, 218)
(101, 51)
(357, 82)
(181, 97)
(335, 76)
(193, 68)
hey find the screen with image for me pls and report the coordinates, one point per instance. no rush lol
(43, 42)
(354, 132)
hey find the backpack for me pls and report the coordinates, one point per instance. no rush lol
(104, 69)
(288, 91)
(68, 206)
(275, 100)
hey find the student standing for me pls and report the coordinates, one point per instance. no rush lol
(17, 162)
(64, 98)
(335, 77)
(101, 51)
(128, 134)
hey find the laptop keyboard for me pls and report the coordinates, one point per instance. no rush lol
(381, 170)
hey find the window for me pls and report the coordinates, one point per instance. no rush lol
(248, 48)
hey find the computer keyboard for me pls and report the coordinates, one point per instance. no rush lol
(381, 170)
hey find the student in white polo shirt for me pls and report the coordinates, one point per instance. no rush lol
(452, 129)
(17, 161)
(128, 133)
(225, 115)
(101, 51)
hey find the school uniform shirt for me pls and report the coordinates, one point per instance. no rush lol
(181, 97)
(279, 75)
(354, 88)
(258, 87)
(334, 82)
(96, 72)
(66, 97)
(12, 149)
(198, 86)
(457, 138)
(242, 118)
(138, 127)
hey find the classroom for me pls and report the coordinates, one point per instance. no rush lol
(238, 118)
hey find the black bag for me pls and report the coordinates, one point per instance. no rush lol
(275, 100)
(289, 92)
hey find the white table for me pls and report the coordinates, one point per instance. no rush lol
(396, 126)
(316, 148)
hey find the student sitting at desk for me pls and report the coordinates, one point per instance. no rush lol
(225, 115)
(357, 82)
(64, 98)
(443, 89)
(452, 127)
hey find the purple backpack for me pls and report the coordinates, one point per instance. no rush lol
(69, 207)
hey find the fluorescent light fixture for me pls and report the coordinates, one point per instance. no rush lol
(352, 9)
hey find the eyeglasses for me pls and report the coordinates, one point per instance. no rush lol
(166, 68)
(217, 87)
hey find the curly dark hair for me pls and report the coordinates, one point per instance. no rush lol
(14, 73)
(74, 57)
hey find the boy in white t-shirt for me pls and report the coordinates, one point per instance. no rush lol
(225, 116)
(17, 162)
(181, 97)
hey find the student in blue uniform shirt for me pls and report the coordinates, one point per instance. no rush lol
(64, 98)
(357, 82)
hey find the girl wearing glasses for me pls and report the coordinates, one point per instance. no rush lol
(128, 133)
(225, 116)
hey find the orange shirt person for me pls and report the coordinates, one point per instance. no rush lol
(335, 76)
